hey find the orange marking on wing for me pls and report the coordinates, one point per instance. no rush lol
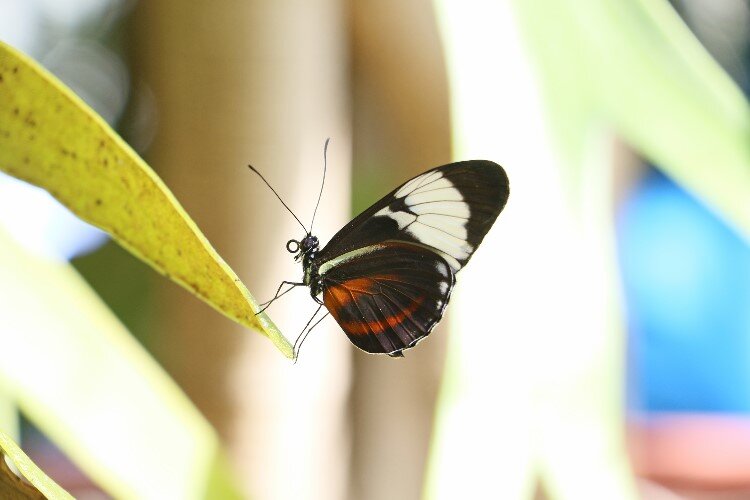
(338, 296)
(367, 285)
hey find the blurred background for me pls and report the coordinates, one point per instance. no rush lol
(538, 384)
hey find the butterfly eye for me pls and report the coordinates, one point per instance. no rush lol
(292, 246)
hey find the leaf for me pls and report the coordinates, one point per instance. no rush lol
(650, 79)
(628, 66)
(12, 486)
(50, 138)
(632, 67)
(78, 374)
(545, 292)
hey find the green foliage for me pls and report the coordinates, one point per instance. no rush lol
(635, 67)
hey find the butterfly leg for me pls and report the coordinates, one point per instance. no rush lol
(278, 295)
(305, 331)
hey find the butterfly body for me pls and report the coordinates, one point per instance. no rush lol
(387, 276)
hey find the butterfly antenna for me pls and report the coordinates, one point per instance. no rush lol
(325, 161)
(279, 197)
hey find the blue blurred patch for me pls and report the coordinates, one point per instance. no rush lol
(686, 278)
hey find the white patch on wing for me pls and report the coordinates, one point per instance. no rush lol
(439, 216)
(455, 265)
(417, 182)
(433, 195)
(454, 247)
(403, 219)
(441, 268)
(451, 225)
(439, 183)
(454, 208)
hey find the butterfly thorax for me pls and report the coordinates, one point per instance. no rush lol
(307, 250)
(310, 267)
(312, 277)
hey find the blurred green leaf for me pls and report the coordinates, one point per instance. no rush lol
(13, 487)
(50, 138)
(631, 68)
(634, 66)
(78, 374)
(605, 67)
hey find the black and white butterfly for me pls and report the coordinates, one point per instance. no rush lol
(386, 277)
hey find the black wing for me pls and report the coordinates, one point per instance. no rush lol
(448, 208)
(389, 296)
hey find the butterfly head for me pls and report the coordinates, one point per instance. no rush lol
(309, 245)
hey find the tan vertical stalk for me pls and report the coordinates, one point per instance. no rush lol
(401, 128)
(258, 82)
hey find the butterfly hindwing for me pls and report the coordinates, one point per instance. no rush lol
(388, 296)
(449, 209)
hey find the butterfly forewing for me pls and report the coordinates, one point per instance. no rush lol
(388, 296)
(449, 209)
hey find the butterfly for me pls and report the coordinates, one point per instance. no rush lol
(386, 277)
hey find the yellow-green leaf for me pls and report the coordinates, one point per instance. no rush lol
(50, 138)
(78, 374)
(12, 486)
